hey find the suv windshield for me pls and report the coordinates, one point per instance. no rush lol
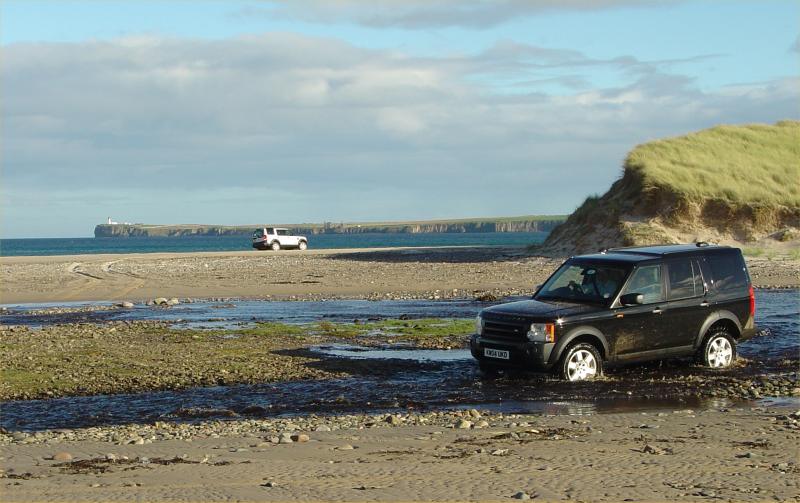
(584, 282)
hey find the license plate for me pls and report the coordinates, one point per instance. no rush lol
(495, 353)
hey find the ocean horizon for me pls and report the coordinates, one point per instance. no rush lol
(16, 247)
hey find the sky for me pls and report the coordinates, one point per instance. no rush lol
(243, 112)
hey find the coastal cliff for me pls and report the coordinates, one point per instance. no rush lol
(512, 224)
(728, 184)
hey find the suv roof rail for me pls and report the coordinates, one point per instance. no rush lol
(603, 250)
(701, 244)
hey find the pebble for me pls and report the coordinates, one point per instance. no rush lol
(285, 438)
(345, 447)
(522, 495)
(463, 424)
(62, 457)
(300, 437)
(393, 420)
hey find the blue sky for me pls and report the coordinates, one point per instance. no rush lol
(245, 112)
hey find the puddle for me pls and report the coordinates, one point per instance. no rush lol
(420, 355)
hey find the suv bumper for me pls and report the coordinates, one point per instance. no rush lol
(523, 354)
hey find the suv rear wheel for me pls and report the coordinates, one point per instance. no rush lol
(581, 362)
(719, 350)
(275, 246)
(303, 245)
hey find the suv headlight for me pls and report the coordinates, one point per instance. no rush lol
(542, 332)
(479, 325)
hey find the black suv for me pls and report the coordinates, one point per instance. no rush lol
(624, 305)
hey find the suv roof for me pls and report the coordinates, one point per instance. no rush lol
(639, 253)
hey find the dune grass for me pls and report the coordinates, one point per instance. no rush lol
(751, 164)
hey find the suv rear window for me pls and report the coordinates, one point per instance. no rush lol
(728, 270)
(685, 280)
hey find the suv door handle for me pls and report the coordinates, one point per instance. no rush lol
(704, 304)
(657, 310)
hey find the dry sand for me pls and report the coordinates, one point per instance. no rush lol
(713, 455)
(363, 273)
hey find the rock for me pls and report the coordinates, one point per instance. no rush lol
(62, 457)
(300, 437)
(111, 457)
(126, 305)
(322, 428)
(474, 413)
(345, 447)
(285, 438)
(499, 452)
(160, 301)
(269, 484)
(19, 436)
(521, 496)
(393, 420)
(482, 424)
(463, 424)
(173, 302)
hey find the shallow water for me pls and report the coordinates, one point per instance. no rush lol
(399, 377)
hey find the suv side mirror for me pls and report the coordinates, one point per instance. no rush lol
(631, 299)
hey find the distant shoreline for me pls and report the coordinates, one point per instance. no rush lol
(528, 223)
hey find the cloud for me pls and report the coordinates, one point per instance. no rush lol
(422, 14)
(304, 128)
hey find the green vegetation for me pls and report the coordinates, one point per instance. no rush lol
(758, 164)
(85, 359)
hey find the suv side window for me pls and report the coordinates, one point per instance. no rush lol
(728, 270)
(647, 281)
(685, 280)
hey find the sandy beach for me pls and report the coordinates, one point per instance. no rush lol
(739, 454)
(364, 273)
(707, 438)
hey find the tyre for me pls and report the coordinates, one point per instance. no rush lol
(303, 245)
(719, 350)
(275, 246)
(581, 362)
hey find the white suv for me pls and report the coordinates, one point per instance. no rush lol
(276, 238)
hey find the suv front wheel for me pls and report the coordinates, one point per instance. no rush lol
(581, 362)
(719, 350)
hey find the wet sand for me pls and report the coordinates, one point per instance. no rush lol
(395, 273)
(741, 454)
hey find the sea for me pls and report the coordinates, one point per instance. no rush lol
(80, 246)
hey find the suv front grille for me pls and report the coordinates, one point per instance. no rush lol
(510, 329)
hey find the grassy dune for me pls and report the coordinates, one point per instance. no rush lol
(730, 184)
(757, 164)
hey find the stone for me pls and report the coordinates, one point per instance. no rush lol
(269, 484)
(393, 420)
(345, 447)
(322, 428)
(285, 438)
(499, 452)
(522, 495)
(111, 457)
(173, 302)
(62, 457)
(482, 424)
(126, 305)
(300, 437)
(463, 424)
(474, 413)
